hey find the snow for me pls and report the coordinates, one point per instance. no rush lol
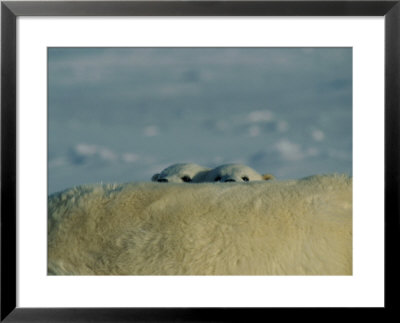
(122, 114)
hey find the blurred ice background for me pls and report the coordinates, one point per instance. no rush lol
(123, 114)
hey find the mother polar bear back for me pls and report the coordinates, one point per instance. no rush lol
(298, 227)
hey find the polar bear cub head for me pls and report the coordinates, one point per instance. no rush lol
(178, 173)
(234, 173)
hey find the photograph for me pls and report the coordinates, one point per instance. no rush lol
(200, 160)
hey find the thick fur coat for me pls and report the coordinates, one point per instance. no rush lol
(297, 227)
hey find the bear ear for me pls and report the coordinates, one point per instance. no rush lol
(267, 177)
(154, 178)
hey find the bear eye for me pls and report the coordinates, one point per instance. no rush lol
(217, 179)
(186, 179)
(245, 178)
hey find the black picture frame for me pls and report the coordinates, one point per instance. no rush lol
(10, 10)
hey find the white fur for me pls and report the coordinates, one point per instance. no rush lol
(234, 173)
(177, 172)
(298, 227)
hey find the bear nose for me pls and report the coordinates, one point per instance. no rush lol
(162, 180)
(230, 180)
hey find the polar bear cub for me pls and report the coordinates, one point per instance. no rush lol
(234, 173)
(178, 173)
